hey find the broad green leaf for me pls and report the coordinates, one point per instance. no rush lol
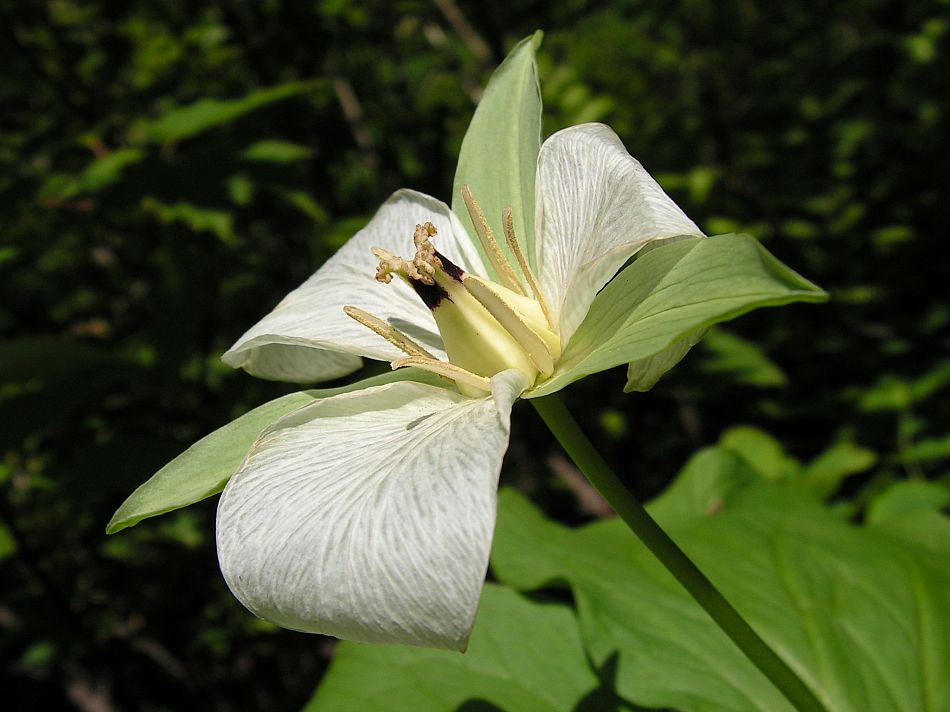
(761, 452)
(205, 468)
(841, 460)
(522, 656)
(745, 361)
(703, 487)
(499, 154)
(186, 121)
(859, 615)
(671, 292)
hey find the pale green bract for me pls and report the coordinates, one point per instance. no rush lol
(369, 514)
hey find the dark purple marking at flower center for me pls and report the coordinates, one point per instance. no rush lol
(450, 268)
(431, 294)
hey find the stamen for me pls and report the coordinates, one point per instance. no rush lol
(528, 339)
(469, 383)
(489, 244)
(512, 241)
(388, 332)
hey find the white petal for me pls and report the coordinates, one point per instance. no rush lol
(596, 206)
(307, 337)
(369, 515)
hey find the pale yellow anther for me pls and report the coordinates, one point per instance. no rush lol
(388, 332)
(468, 383)
(515, 248)
(541, 348)
(489, 244)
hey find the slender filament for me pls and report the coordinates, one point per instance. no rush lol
(390, 333)
(451, 371)
(513, 245)
(489, 243)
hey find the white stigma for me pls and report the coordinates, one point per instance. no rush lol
(421, 267)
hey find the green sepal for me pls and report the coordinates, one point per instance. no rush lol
(204, 469)
(499, 155)
(670, 293)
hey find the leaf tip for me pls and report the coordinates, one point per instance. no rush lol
(118, 523)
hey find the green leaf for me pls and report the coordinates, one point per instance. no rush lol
(860, 616)
(205, 468)
(275, 150)
(912, 512)
(931, 382)
(703, 487)
(7, 545)
(761, 453)
(841, 460)
(99, 174)
(908, 498)
(8, 254)
(186, 121)
(671, 292)
(522, 656)
(199, 219)
(499, 154)
(745, 361)
(107, 170)
(931, 449)
(888, 393)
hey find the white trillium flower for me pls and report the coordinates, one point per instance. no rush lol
(369, 515)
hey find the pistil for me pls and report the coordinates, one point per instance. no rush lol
(486, 327)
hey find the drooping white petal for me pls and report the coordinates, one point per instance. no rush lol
(369, 515)
(307, 337)
(596, 206)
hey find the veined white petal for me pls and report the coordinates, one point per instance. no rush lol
(596, 206)
(307, 337)
(369, 515)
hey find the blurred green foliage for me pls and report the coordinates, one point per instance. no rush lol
(169, 170)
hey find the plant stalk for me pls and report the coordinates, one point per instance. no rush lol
(562, 424)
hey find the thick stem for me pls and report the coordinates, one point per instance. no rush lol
(585, 456)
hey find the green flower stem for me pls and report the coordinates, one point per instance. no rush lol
(560, 421)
